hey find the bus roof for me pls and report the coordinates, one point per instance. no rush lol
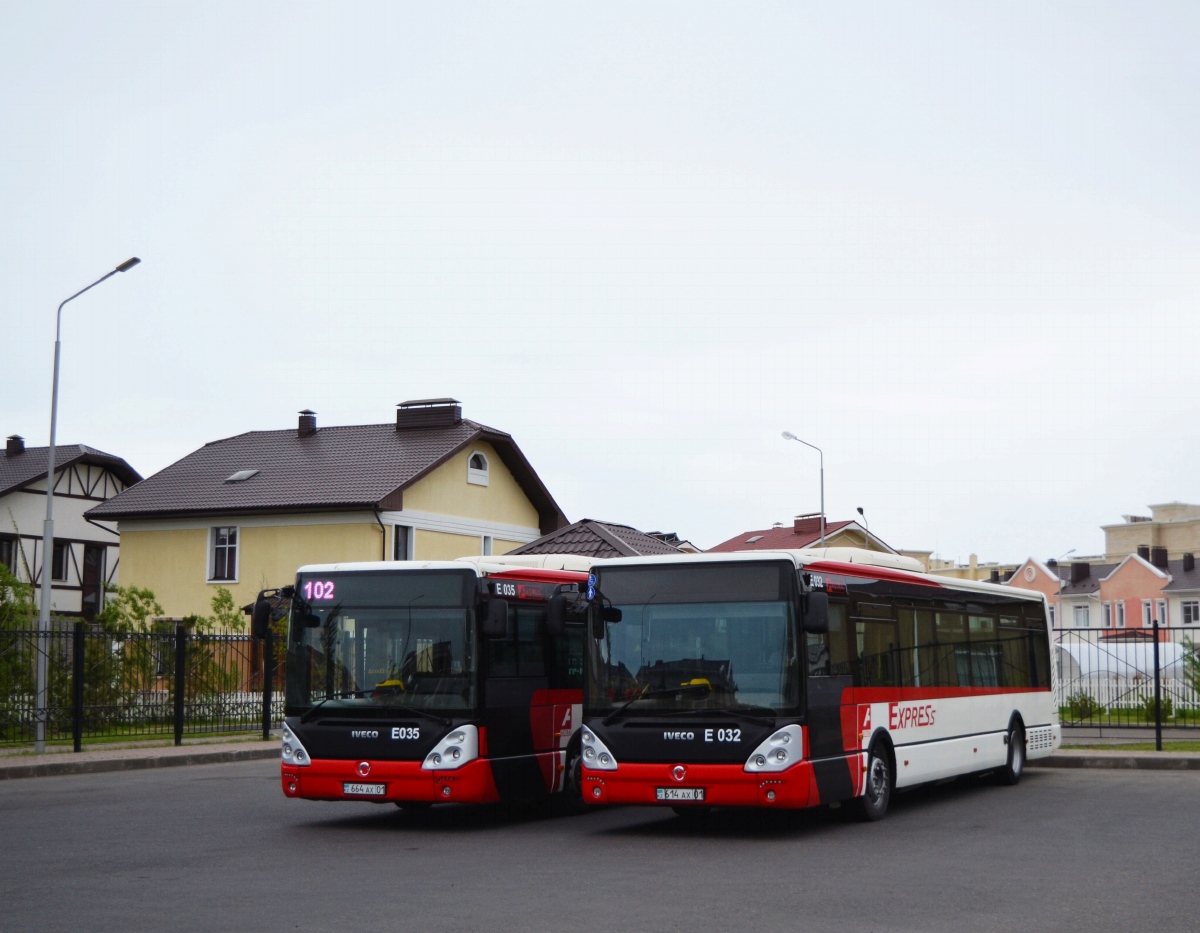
(482, 566)
(855, 562)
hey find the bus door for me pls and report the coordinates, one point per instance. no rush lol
(515, 672)
(831, 729)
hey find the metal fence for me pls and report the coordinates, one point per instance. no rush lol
(103, 686)
(1128, 677)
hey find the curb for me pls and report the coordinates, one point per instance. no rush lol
(1122, 761)
(144, 763)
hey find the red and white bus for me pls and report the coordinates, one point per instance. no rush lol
(801, 678)
(421, 682)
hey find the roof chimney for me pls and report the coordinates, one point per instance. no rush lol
(1189, 563)
(1052, 565)
(1143, 551)
(1158, 557)
(995, 576)
(15, 446)
(1080, 571)
(428, 413)
(308, 423)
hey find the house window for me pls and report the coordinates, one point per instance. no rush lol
(8, 553)
(1082, 619)
(1191, 611)
(224, 553)
(1147, 613)
(1162, 611)
(1053, 615)
(402, 542)
(1106, 614)
(1120, 613)
(486, 549)
(477, 469)
(58, 567)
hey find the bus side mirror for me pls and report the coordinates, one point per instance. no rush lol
(816, 613)
(260, 621)
(556, 615)
(605, 614)
(495, 620)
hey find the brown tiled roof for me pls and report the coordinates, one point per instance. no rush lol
(28, 467)
(365, 466)
(1182, 579)
(590, 538)
(804, 532)
(1089, 584)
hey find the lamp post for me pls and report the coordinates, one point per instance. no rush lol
(864, 518)
(789, 436)
(48, 528)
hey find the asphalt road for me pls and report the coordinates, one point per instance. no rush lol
(218, 848)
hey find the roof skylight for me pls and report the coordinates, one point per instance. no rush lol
(241, 476)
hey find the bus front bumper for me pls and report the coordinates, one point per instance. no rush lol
(402, 781)
(723, 786)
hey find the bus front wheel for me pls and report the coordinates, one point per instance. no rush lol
(877, 789)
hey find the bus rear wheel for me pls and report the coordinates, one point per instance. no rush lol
(1010, 773)
(877, 790)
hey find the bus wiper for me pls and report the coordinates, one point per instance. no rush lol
(415, 711)
(308, 713)
(647, 694)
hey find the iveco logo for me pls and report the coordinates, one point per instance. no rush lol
(364, 768)
(679, 736)
(679, 772)
(364, 733)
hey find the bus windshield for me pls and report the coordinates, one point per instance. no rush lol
(700, 637)
(382, 640)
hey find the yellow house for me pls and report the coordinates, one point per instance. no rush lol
(246, 511)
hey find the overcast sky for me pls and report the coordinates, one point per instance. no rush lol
(955, 248)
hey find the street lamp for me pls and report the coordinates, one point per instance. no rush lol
(789, 436)
(48, 528)
(864, 518)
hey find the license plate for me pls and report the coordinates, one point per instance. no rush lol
(364, 790)
(679, 793)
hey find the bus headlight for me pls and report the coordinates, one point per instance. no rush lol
(293, 753)
(781, 750)
(453, 751)
(595, 753)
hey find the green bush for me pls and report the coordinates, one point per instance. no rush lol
(1083, 706)
(1146, 710)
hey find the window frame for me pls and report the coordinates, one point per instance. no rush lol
(1087, 615)
(1106, 615)
(1161, 610)
(1189, 609)
(410, 546)
(475, 476)
(1147, 613)
(486, 545)
(60, 574)
(1120, 613)
(213, 545)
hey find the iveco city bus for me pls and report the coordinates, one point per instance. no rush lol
(421, 682)
(798, 678)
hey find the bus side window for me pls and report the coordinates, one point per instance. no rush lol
(531, 643)
(502, 651)
(925, 672)
(877, 645)
(952, 652)
(828, 653)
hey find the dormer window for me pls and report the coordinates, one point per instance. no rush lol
(477, 468)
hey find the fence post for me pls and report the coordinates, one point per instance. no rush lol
(77, 685)
(268, 681)
(1157, 693)
(180, 677)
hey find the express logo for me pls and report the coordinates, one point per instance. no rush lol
(906, 716)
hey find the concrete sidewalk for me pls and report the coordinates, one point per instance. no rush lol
(1142, 761)
(135, 758)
